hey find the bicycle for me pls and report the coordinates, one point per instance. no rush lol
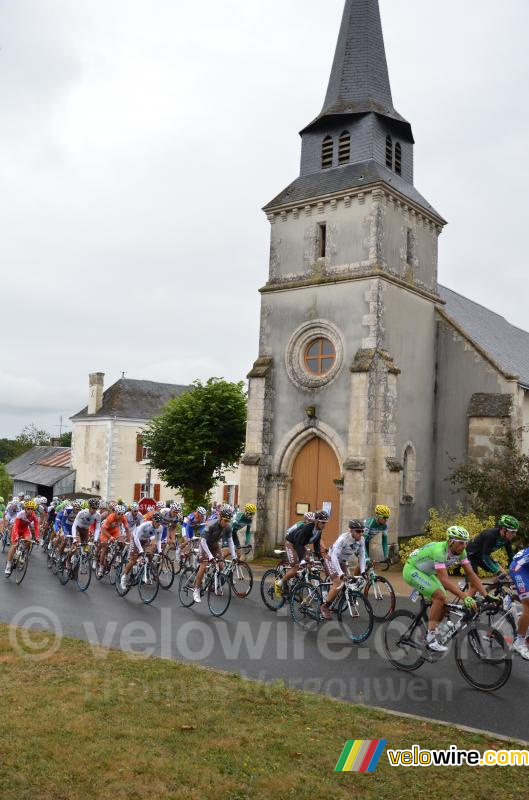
(311, 570)
(144, 575)
(80, 569)
(240, 574)
(481, 654)
(353, 609)
(21, 556)
(6, 537)
(380, 594)
(166, 571)
(391, 560)
(215, 584)
(503, 614)
(113, 558)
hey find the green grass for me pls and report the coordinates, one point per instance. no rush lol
(76, 727)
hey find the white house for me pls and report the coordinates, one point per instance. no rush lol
(108, 453)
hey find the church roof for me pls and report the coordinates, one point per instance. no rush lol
(359, 81)
(506, 344)
(341, 179)
(131, 399)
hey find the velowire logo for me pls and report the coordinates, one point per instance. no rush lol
(360, 755)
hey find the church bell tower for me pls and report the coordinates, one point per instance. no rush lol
(347, 333)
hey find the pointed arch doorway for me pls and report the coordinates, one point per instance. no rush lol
(313, 474)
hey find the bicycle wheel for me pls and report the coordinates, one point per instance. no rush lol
(305, 603)
(83, 572)
(21, 566)
(55, 563)
(403, 643)
(241, 579)
(119, 589)
(503, 621)
(355, 616)
(381, 596)
(63, 573)
(149, 583)
(268, 594)
(166, 572)
(219, 594)
(483, 657)
(186, 586)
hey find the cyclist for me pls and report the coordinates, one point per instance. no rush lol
(426, 570)
(87, 521)
(195, 523)
(519, 573)
(296, 543)
(13, 508)
(171, 519)
(134, 517)
(26, 526)
(2, 512)
(145, 538)
(67, 520)
(242, 519)
(116, 528)
(480, 549)
(349, 544)
(376, 525)
(209, 549)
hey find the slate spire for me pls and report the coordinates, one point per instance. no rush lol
(360, 72)
(359, 82)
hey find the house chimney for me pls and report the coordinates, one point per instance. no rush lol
(96, 383)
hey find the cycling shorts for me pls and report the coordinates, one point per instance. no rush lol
(425, 584)
(15, 536)
(110, 535)
(521, 581)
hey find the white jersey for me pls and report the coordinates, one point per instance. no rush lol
(346, 546)
(133, 520)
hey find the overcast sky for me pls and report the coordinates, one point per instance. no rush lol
(139, 140)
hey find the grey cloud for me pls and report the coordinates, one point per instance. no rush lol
(139, 140)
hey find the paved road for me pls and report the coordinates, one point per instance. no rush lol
(256, 643)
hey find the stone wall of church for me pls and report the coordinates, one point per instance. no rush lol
(296, 313)
(461, 372)
(295, 239)
(409, 337)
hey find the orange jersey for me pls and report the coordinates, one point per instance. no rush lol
(113, 523)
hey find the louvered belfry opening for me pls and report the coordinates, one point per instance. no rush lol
(327, 152)
(344, 151)
(398, 158)
(389, 152)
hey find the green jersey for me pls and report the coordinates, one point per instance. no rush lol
(434, 556)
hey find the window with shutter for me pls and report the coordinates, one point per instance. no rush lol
(137, 492)
(389, 151)
(156, 491)
(327, 152)
(226, 494)
(139, 447)
(236, 496)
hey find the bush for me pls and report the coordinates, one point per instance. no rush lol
(438, 524)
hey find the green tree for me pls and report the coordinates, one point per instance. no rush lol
(196, 435)
(9, 449)
(65, 439)
(30, 436)
(6, 484)
(498, 484)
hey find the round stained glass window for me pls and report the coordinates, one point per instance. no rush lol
(320, 355)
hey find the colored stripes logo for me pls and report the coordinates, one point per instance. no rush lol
(360, 755)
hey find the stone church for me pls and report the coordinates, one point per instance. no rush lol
(371, 377)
